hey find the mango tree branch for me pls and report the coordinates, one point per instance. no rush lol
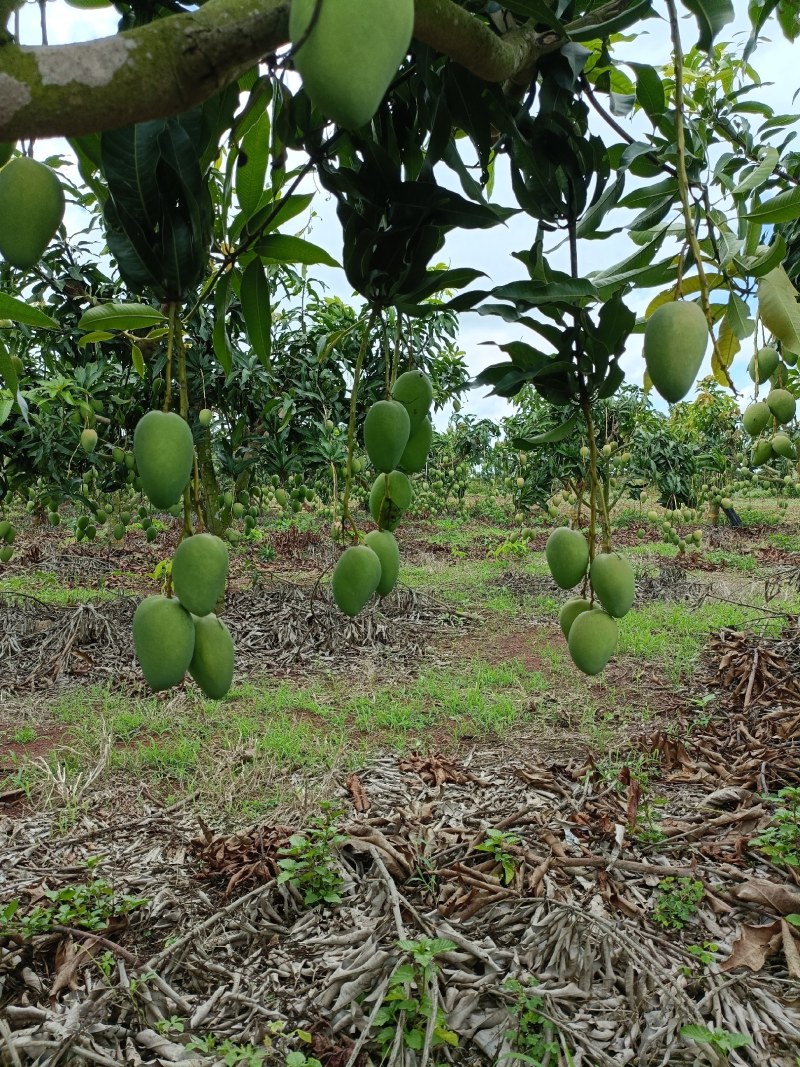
(175, 63)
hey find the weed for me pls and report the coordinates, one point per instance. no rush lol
(781, 840)
(722, 1040)
(24, 735)
(173, 1025)
(532, 1037)
(677, 902)
(497, 844)
(228, 1052)
(308, 863)
(407, 1005)
(704, 954)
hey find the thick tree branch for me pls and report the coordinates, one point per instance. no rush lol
(176, 63)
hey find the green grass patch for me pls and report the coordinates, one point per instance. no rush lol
(736, 560)
(788, 542)
(48, 587)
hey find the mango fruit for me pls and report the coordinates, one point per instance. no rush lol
(163, 636)
(389, 499)
(782, 405)
(762, 452)
(675, 340)
(386, 431)
(199, 572)
(384, 545)
(31, 210)
(782, 446)
(212, 661)
(164, 451)
(414, 390)
(569, 612)
(592, 641)
(415, 455)
(205, 416)
(756, 417)
(356, 577)
(89, 440)
(613, 583)
(763, 364)
(567, 555)
(352, 52)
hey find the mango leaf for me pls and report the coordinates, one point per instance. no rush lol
(138, 360)
(558, 433)
(756, 178)
(9, 375)
(765, 258)
(785, 207)
(257, 310)
(19, 311)
(251, 164)
(711, 16)
(725, 349)
(780, 312)
(561, 288)
(634, 11)
(221, 342)
(650, 95)
(281, 248)
(539, 10)
(93, 338)
(688, 285)
(115, 316)
(275, 213)
(737, 315)
(6, 404)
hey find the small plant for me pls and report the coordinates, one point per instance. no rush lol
(408, 1001)
(24, 735)
(677, 902)
(704, 954)
(497, 844)
(532, 1035)
(228, 1052)
(781, 840)
(649, 825)
(309, 864)
(722, 1040)
(173, 1025)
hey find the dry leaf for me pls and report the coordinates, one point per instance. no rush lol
(790, 950)
(356, 789)
(778, 898)
(753, 947)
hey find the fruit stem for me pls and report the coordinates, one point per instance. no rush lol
(351, 426)
(177, 326)
(171, 311)
(683, 185)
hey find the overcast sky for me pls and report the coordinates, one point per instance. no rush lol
(491, 250)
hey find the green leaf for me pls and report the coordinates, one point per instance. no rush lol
(7, 372)
(794, 919)
(697, 1033)
(251, 165)
(562, 288)
(19, 311)
(737, 315)
(6, 404)
(558, 433)
(94, 338)
(221, 342)
(711, 16)
(539, 10)
(765, 259)
(650, 94)
(761, 174)
(782, 208)
(138, 360)
(115, 316)
(727, 346)
(634, 11)
(281, 248)
(780, 312)
(257, 311)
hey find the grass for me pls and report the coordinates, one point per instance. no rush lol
(788, 542)
(50, 589)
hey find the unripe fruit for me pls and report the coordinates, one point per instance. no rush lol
(384, 545)
(675, 340)
(763, 365)
(782, 405)
(762, 451)
(355, 578)
(782, 446)
(389, 499)
(89, 440)
(414, 390)
(755, 418)
(118, 455)
(163, 636)
(212, 661)
(415, 454)
(569, 612)
(199, 572)
(31, 210)
(567, 554)
(613, 582)
(164, 450)
(520, 483)
(205, 416)
(592, 641)
(351, 54)
(607, 450)
(386, 432)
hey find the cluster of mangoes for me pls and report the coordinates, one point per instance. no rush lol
(590, 628)
(671, 521)
(397, 437)
(348, 56)
(31, 210)
(176, 634)
(763, 419)
(7, 537)
(675, 341)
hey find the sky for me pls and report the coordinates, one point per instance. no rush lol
(492, 249)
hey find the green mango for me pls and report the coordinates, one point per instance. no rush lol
(567, 555)
(782, 405)
(414, 390)
(118, 531)
(6, 553)
(613, 583)
(389, 499)
(356, 577)
(386, 431)
(164, 451)
(199, 572)
(211, 665)
(675, 340)
(31, 210)
(782, 446)
(163, 636)
(384, 545)
(756, 417)
(763, 365)
(592, 641)
(348, 59)
(205, 416)
(89, 440)
(415, 456)
(762, 452)
(569, 612)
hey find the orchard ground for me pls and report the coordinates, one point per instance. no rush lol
(604, 857)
